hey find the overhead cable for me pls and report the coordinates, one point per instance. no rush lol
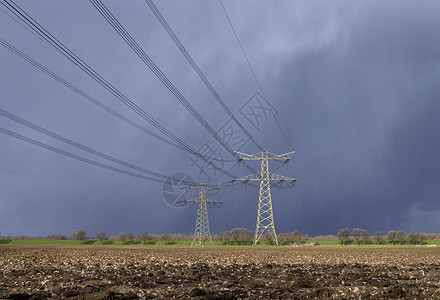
(86, 96)
(80, 146)
(110, 18)
(196, 68)
(253, 72)
(74, 156)
(36, 27)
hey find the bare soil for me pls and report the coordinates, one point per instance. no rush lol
(219, 273)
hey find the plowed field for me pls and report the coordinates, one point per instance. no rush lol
(219, 273)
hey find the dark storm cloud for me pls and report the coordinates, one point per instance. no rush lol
(366, 121)
(355, 87)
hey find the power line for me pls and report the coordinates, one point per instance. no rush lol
(85, 95)
(66, 52)
(80, 92)
(83, 147)
(253, 72)
(108, 16)
(36, 27)
(26, 28)
(196, 68)
(74, 156)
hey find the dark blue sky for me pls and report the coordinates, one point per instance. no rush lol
(355, 86)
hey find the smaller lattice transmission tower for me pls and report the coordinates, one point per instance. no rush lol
(202, 232)
(265, 221)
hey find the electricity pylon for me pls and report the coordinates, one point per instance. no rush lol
(265, 222)
(202, 232)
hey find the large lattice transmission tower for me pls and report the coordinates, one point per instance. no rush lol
(265, 221)
(202, 232)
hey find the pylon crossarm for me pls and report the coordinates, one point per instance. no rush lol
(186, 184)
(212, 187)
(186, 201)
(271, 177)
(181, 203)
(277, 177)
(244, 156)
(209, 200)
(286, 156)
(198, 186)
(265, 156)
(215, 204)
(252, 177)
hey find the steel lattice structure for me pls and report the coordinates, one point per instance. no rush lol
(202, 232)
(265, 220)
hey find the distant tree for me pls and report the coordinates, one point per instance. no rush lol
(306, 237)
(400, 236)
(130, 236)
(422, 238)
(297, 237)
(123, 236)
(101, 236)
(223, 236)
(357, 233)
(226, 235)
(57, 236)
(78, 234)
(143, 236)
(166, 237)
(22, 237)
(344, 235)
(235, 234)
(246, 235)
(413, 238)
(378, 237)
(284, 237)
(365, 236)
(432, 236)
(240, 234)
(266, 237)
(392, 236)
(181, 237)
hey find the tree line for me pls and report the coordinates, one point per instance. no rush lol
(244, 236)
(394, 237)
(235, 235)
